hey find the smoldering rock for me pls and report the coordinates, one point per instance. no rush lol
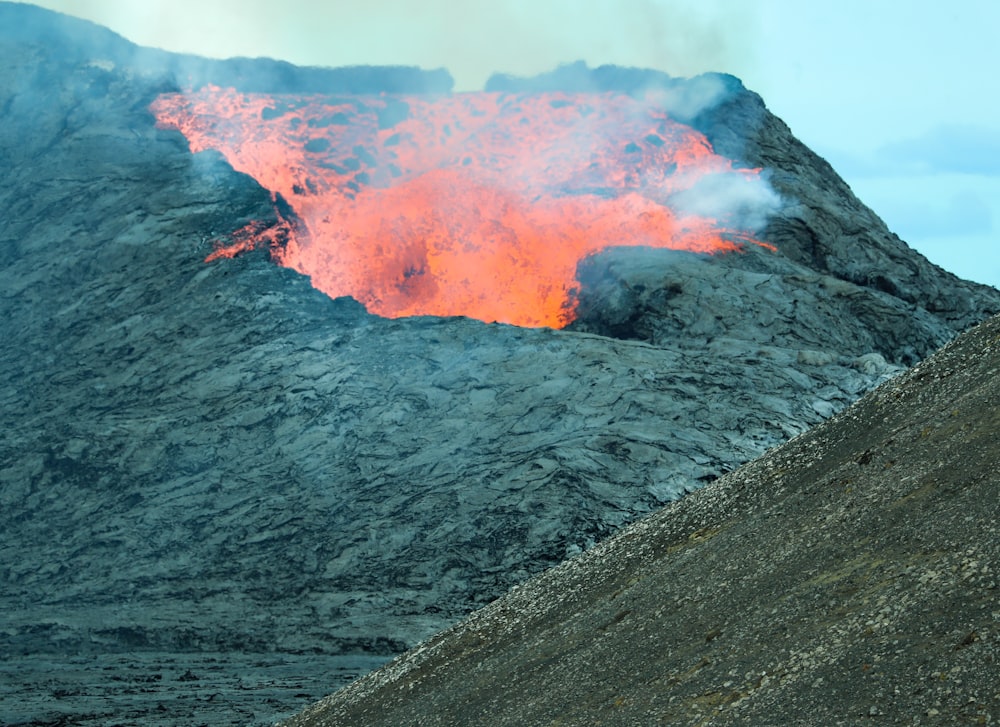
(216, 459)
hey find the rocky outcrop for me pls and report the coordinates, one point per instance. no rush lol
(849, 575)
(205, 462)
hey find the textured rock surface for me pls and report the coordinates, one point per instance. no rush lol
(205, 462)
(848, 576)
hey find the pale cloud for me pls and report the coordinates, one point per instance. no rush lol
(944, 149)
(962, 148)
(962, 214)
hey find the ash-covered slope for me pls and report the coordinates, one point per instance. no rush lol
(849, 575)
(218, 486)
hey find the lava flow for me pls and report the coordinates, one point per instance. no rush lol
(474, 204)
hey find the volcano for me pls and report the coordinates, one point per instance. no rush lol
(243, 465)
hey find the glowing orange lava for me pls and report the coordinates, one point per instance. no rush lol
(474, 204)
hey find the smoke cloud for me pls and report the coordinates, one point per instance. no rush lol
(742, 201)
(471, 39)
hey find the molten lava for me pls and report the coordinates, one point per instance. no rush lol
(475, 204)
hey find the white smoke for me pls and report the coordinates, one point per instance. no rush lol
(742, 201)
(687, 100)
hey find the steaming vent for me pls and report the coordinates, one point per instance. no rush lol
(474, 204)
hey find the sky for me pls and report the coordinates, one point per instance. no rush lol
(900, 97)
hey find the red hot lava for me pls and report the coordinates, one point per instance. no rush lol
(473, 204)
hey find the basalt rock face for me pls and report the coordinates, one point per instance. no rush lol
(222, 493)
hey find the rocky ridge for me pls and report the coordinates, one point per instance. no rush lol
(203, 464)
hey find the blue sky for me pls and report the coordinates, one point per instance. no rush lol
(901, 97)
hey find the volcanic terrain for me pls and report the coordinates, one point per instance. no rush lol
(847, 577)
(225, 493)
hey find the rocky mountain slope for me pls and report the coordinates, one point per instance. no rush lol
(223, 494)
(849, 576)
